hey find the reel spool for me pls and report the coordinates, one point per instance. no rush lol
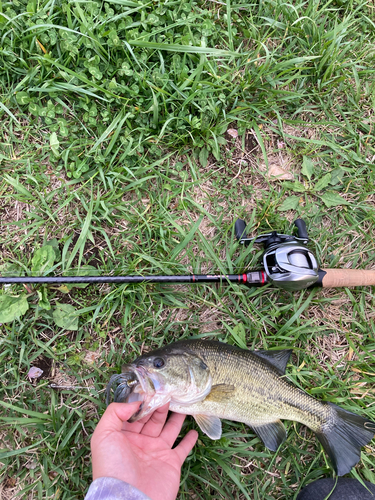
(288, 263)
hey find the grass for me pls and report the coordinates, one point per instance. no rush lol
(114, 153)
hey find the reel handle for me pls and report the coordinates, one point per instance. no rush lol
(269, 238)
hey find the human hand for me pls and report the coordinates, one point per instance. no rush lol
(140, 453)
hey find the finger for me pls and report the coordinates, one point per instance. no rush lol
(187, 444)
(136, 426)
(114, 417)
(172, 428)
(156, 422)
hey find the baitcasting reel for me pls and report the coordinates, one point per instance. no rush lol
(288, 263)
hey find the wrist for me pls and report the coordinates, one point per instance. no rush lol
(110, 488)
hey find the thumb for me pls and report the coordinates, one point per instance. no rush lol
(115, 415)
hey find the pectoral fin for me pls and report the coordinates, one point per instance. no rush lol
(220, 393)
(272, 434)
(209, 425)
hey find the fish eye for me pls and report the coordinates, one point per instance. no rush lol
(158, 362)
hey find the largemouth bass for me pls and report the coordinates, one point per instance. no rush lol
(212, 380)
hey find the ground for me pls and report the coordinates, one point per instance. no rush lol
(133, 136)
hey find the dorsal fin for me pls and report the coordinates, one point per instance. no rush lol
(278, 359)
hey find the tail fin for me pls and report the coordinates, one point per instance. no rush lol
(343, 436)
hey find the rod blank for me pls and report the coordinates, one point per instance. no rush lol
(252, 278)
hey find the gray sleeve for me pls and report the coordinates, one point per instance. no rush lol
(109, 488)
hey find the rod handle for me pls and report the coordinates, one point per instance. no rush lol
(347, 278)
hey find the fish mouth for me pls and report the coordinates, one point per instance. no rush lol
(130, 386)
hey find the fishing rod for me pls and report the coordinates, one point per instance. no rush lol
(287, 262)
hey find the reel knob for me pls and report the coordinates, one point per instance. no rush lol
(240, 230)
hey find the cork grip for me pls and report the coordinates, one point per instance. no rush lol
(348, 277)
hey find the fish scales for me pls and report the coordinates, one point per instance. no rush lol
(260, 395)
